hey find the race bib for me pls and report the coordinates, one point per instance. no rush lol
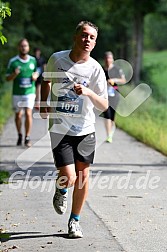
(111, 91)
(39, 70)
(25, 82)
(69, 106)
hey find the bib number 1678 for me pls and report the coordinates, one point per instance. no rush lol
(69, 107)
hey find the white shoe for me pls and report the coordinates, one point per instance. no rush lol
(74, 229)
(60, 202)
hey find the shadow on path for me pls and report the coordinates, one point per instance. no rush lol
(34, 235)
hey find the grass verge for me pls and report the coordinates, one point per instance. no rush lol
(155, 73)
(147, 124)
(5, 113)
(5, 104)
(4, 175)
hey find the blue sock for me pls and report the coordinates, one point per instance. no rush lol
(63, 190)
(75, 216)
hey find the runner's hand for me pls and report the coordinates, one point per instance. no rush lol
(81, 89)
(44, 112)
(35, 75)
(111, 82)
(17, 71)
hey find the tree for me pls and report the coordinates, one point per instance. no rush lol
(49, 24)
(129, 16)
(155, 33)
(140, 9)
(4, 12)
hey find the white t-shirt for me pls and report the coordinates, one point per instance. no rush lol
(73, 114)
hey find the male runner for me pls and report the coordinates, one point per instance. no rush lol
(22, 71)
(78, 84)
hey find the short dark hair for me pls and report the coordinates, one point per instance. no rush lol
(108, 53)
(21, 40)
(36, 49)
(83, 23)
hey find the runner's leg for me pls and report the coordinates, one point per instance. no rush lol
(28, 121)
(18, 118)
(81, 186)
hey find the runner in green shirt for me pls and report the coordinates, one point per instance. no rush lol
(22, 71)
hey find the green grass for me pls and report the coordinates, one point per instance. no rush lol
(148, 123)
(5, 113)
(5, 104)
(4, 175)
(144, 126)
(155, 69)
(4, 237)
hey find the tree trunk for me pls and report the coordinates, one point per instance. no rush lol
(138, 46)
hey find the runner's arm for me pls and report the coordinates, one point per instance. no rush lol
(35, 76)
(45, 90)
(98, 101)
(112, 81)
(13, 75)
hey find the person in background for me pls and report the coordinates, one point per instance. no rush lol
(22, 70)
(114, 76)
(40, 68)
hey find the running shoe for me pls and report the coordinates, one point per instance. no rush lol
(60, 201)
(109, 139)
(74, 229)
(27, 141)
(19, 141)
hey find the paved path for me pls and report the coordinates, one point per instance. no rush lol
(126, 209)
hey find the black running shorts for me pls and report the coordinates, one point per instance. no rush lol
(67, 149)
(113, 103)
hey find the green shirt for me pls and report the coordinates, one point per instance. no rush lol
(23, 83)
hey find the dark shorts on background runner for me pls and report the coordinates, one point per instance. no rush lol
(39, 80)
(110, 112)
(72, 148)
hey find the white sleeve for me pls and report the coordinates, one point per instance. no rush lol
(100, 84)
(48, 69)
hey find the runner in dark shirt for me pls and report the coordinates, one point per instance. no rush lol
(40, 68)
(114, 76)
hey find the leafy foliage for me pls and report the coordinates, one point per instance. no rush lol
(153, 39)
(4, 12)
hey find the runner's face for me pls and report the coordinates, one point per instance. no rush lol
(85, 39)
(109, 60)
(24, 47)
(38, 53)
